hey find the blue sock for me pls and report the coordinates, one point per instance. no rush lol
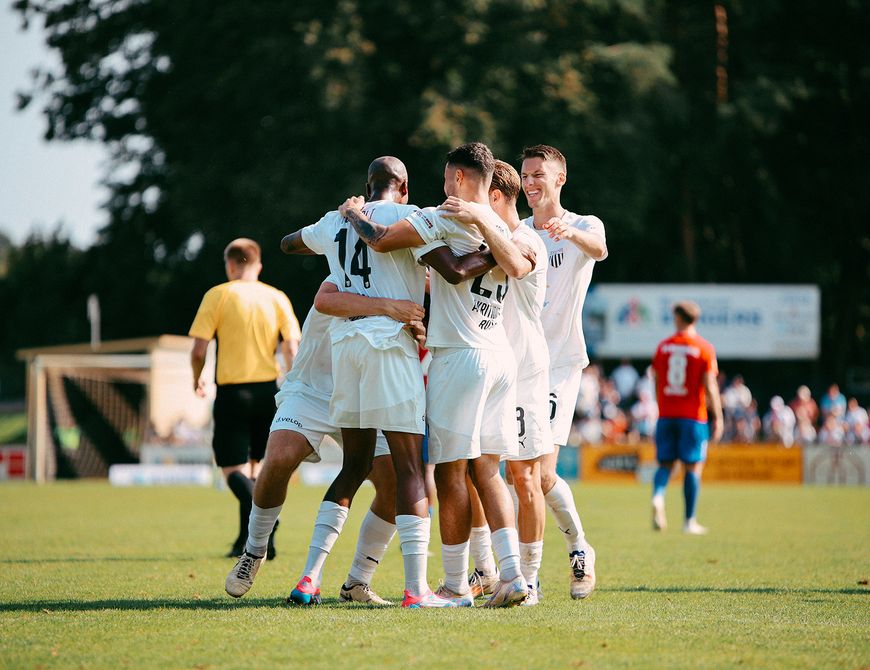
(691, 485)
(660, 481)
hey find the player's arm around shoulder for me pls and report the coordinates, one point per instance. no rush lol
(378, 237)
(510, 258)
(344, 304)
(457, 269)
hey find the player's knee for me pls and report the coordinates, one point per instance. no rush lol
(286, 450)
(383, 476)
(525, 483)
(694, 468)
(483, 472)
(449, 482)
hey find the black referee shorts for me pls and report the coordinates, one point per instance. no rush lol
(242, 417)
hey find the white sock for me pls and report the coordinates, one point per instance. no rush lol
(530, 561)
(455, 560)
(513, 491)
(330, 520)
(506, 546)
(561, 501)
(414, 540)
(375, 535)
(481, 550)
(260, 525)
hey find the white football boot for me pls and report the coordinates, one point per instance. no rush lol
(361, 593)
(692, 527)
(482, 584)
(532, 599)
(508, 594)
(460, 599)
(241, 577)
(582, 572)
(659, 520)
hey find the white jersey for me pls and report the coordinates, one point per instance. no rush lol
(568, 277)
(395, 275)
(468, 314)
(522, 310)
(312, 366)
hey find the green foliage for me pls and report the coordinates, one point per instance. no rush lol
(103, 577)
(238, 118)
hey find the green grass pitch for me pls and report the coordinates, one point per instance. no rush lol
(96, 577)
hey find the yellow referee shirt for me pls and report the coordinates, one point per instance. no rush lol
(246, 318)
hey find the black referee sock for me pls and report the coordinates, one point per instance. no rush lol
(243, 488)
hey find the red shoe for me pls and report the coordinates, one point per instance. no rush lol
(305, 593)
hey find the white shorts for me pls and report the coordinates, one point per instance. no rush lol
(564, 388)
(471, 404)
(306, 412)
(533, 417)
(377, 388)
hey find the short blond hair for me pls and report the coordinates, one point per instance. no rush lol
(242, 251)
(687, 311)
(506, 180)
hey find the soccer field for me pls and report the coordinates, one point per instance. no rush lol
(101, 577)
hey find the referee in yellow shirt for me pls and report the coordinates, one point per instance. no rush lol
(246, 317)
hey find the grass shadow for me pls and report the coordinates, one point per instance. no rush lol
(102, 559)
(130, 604)
(761, 590)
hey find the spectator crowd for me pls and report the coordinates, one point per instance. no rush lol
(622, 408)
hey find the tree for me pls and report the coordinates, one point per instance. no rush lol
(705, 134)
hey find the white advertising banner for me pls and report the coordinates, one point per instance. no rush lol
(741, 321)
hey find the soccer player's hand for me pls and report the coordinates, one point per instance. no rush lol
(557, 228)
(717, 428)
(405, 311)
(354, 202)
(527, 252)
(418, 332)
(459, 210)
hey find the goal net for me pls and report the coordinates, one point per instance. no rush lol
(87, 412)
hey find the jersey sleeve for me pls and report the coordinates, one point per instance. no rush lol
(205, 322)
(431, 229)
(595, 226)
(711, 364)
(319, 235)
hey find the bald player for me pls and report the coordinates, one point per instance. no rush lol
(378, 380)
(471, 392)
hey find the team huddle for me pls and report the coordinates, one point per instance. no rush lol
(504, 331)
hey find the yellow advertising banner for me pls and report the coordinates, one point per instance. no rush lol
(754, 463)
(725, 463)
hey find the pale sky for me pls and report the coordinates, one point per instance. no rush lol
(42, 184)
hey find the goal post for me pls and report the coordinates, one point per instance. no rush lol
(88, 411)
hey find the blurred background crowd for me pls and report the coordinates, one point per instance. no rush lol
(621, 407)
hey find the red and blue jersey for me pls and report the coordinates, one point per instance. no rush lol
(681, 363)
